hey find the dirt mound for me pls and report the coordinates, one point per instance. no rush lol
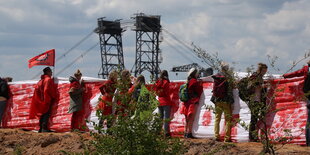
(210, 146)
(15, 141)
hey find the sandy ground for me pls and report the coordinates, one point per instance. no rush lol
(16, 141)
(210, 146)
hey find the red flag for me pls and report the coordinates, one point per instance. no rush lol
(47, 58)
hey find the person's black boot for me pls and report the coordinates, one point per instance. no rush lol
(46, 130)
(190, 135)
(168, 135)
(185, 135)
(44, 127)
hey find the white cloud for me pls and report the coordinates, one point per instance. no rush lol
(192, 27)
(14, 66)
(14, 13)
(75, 2)
(246, 48)
(293, 16)
(306, 31)
(283, 32)
(243, 31)
(287, 20)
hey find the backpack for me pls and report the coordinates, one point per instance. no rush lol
(306, 87)
(146, 100)
(183, 93)
(220, 87)
(4, 89)
(136, 94)
(244, 92)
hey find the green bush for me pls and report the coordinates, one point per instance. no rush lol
(137, 131)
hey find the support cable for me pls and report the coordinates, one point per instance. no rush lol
(195, 51)
(68, 51)
(76, 59)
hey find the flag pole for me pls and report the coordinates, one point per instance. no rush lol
(54, 67)
(54, 71)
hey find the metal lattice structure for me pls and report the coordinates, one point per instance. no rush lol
(203, 72)
(147, 44)
(111, 47)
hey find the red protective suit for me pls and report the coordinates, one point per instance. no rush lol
(86, 109)
(43, 96)
(124, 98)
(194, 89)
(76, 93)
(162, 88)
(107, 90)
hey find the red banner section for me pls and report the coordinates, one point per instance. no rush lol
(288, 116)
(17, 111)
(287, 119)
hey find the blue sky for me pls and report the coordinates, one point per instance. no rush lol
(243, 32)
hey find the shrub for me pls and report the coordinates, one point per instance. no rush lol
(136, 131)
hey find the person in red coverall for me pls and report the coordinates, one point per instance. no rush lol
(189, 108)
(43, 97)
(304, 72)
(122, 97)
(162, 89)
(76, 93)
(107, 90)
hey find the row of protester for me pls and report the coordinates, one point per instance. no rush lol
(254, 91)
(222, 98)
(120, 90)
(120, 97)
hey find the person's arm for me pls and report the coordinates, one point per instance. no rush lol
(166, 88)
(162, 88)
(76, 89)
(297, 73)
(198, 88)
(102, 89)
(114, 101)
(253, 82)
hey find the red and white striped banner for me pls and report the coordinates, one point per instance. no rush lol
(291, 111)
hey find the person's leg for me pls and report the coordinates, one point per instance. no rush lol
(100, 124)
(44, 122)
(253, 133)
(161, 112)
(191, 118)
(186, 126)
(2, 108)
(218, 115)
(81, 121)
(73, 121)
(228, 119)
(166, 112)
(109, 121)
